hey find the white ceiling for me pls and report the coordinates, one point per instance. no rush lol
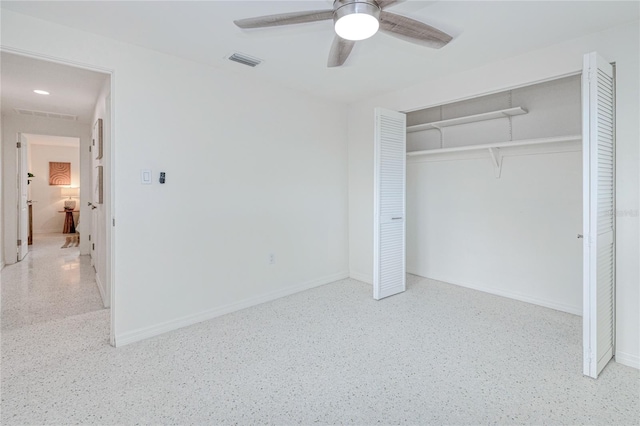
(72, 90)
(295, 56)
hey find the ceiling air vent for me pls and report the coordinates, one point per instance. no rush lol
(45, 114)
(243, 59)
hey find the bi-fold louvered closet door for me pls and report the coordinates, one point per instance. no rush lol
(598, 103)
(389, 203)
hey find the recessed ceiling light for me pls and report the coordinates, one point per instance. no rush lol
(41, 92)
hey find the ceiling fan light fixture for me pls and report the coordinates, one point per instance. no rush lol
(357, 20)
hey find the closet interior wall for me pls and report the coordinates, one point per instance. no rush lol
(514, 235)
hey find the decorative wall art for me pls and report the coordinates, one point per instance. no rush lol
(59, 173)
(97, 139)
(98, 188)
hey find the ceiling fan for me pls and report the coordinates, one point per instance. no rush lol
(356, 20)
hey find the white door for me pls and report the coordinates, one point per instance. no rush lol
(598, 109)
(93, 213)
(389, 203)
(23, 194)
(94, 204)
(94, 227)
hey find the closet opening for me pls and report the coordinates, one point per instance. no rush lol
(511, 193)
(494, 193)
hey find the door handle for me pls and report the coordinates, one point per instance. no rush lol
(90, 204)
(580, 236)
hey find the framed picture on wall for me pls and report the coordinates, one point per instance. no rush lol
(97, 139)
(59, 173)
(98, 186)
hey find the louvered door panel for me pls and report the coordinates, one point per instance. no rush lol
(389, 203)
(599, 213)
(391, 262)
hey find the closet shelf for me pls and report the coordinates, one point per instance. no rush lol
(467, 119)
(524, 142)
(494, 148)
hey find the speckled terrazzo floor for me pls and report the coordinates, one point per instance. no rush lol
(437, 354)
(50, 283)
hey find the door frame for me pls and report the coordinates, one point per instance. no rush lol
(109, 182)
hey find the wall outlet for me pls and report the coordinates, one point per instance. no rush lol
(272, 259)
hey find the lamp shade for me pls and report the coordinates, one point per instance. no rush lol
(69, 192)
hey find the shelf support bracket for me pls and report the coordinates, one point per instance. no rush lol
(441, 136)
(496, 158)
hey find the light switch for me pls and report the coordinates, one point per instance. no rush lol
(145, 177)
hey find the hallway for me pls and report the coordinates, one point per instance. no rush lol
(50, 284)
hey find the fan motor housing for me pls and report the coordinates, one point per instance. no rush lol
(347, 7)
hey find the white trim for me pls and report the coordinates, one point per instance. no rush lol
(365, 278)
(155, 330)
(628, 359)
(101, 289)
(570, 309)
(110, 191)
(55, 59)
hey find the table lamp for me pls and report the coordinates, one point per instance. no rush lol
(70, 192)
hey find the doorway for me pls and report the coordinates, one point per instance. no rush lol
(58, 103)
(53, 188)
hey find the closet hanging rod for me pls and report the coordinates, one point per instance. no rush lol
(523, 142)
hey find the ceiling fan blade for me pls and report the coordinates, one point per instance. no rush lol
(386, 3)
(340, 50)
(412, 30)
(285, 19)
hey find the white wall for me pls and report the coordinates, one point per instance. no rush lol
(618, 44)
(47, 200)
(13, 124)
(252, 169)
(466, 227)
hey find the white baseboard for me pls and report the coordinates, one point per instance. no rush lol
(155, 330)
(575, 310)
(628, 359)
(102, 291)
(365, 278)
